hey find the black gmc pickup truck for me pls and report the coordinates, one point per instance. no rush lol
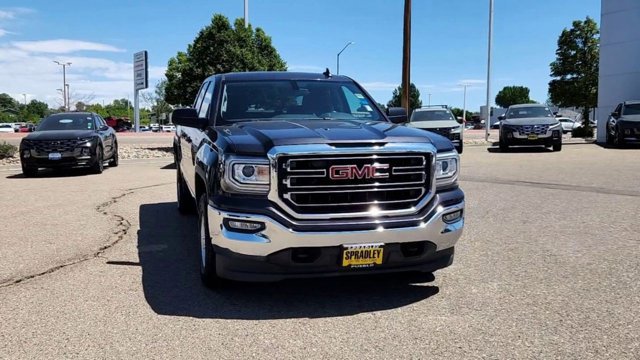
(297, 175)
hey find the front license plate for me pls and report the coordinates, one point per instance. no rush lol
(55, 156)
(363, 255)
(533, 137)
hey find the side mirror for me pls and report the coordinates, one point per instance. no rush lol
(189, 117)
(501, 117)
(615, 115)
(103, 128)
(397, 115)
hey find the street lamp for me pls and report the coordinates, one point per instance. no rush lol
(64, 82)
(338, 57)
(25, 99)
(429, 99)
(464, 108)
(487, 121)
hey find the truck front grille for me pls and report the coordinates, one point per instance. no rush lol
(532, 129)
(49, 146)
(353, 183)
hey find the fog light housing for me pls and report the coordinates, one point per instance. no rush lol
(26, 154)
(556, 134)
(627, 132)
(452, 217)
(85, 151)
(509, 135)
(243, 226)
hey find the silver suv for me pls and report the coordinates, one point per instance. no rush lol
(440, 120)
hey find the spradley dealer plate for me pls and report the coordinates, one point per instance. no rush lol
(362, 255)
(55, 156)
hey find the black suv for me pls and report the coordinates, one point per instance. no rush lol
(69, 140)
(530, 124)
(302, 175)
(624, 123)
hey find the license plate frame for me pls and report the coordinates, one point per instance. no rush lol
(362, 255)
(55, 156)
(532, 137)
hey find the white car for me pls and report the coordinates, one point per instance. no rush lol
(7, 128)
(568, 125)
(168, 128)
(155, 127)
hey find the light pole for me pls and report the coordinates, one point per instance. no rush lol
(246, 13)
(464, 108)
(487, 121)
(338, 57)
(66, 87)
(25, 99)
(406, 58)
(429, 99)
(64, 82)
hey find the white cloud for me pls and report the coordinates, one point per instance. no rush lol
(4, 32)
(379, 85)
(63, 46)
(7, 15)
(471, 82)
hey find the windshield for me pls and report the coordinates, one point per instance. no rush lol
(432, 115)
(528, 112)
(67, 122)
(632, 109)
(293, 99)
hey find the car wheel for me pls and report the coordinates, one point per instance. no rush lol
(460, 148)
(207, 256)
(504, 147)
(115, 159)
(186, 204)
(609, 138)
(98, 166)
(557, 147)
(29, 171)
(618, 138)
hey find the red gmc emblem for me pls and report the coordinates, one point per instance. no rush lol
(367, 171)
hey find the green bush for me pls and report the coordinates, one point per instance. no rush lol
(582, 132)
(7, 150)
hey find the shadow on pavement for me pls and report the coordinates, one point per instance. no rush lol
(57, 173)
(168, 252)
(628, 146)
(523, 149)
(171, 166)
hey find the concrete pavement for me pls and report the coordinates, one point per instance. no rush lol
(547, 268)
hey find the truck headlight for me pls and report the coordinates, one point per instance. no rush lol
(246, 175)
(446, 169)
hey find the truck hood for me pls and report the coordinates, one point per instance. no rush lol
(60, 134)
(259, 137)
(434, 124)
(531, 121)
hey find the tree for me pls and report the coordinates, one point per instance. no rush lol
(219, 48)
(7, 103)
(159, 107)
(457, 112)
(575, 70)
(512, 95)
(414, 98)
(81, 106)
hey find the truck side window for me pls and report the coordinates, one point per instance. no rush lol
(200, 96)
(206, 102)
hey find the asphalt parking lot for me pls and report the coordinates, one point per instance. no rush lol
(102, 266)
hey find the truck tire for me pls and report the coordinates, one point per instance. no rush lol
(618, 139)
(207, 257)
(186, 203)
(504, 147)
(557, 147)
(460, 148)
(609, 138)
(29, 171)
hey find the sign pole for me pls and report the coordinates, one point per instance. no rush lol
(136, 110)
(140, 82)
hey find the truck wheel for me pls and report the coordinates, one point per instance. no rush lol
(609, 138)
(504, 147)
(557, 147)
(207, 256)
(98, 166)
(460, 148)
(186, 204)
(618, 139)
(114, 158)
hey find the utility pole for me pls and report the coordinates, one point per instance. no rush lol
(338, 57)
(464, 108)
(25, 99)
(406, 56)
(487, 121)
(64, 83)
(246, 13)
(429, 99)
(68, 96)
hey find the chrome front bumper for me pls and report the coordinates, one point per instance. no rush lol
(275, 237)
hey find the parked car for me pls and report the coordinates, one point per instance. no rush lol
(624, 123)
(530, 124)
(28, 128)
(314, 182)
(168, 128)
(144, 128)
(496, 125)
(154, 127)
(568, 125)
(69, 140)
(440, 120)
(6, 128)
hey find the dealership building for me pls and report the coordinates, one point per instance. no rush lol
(619, 57)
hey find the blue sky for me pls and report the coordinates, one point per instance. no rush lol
(449, 42)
